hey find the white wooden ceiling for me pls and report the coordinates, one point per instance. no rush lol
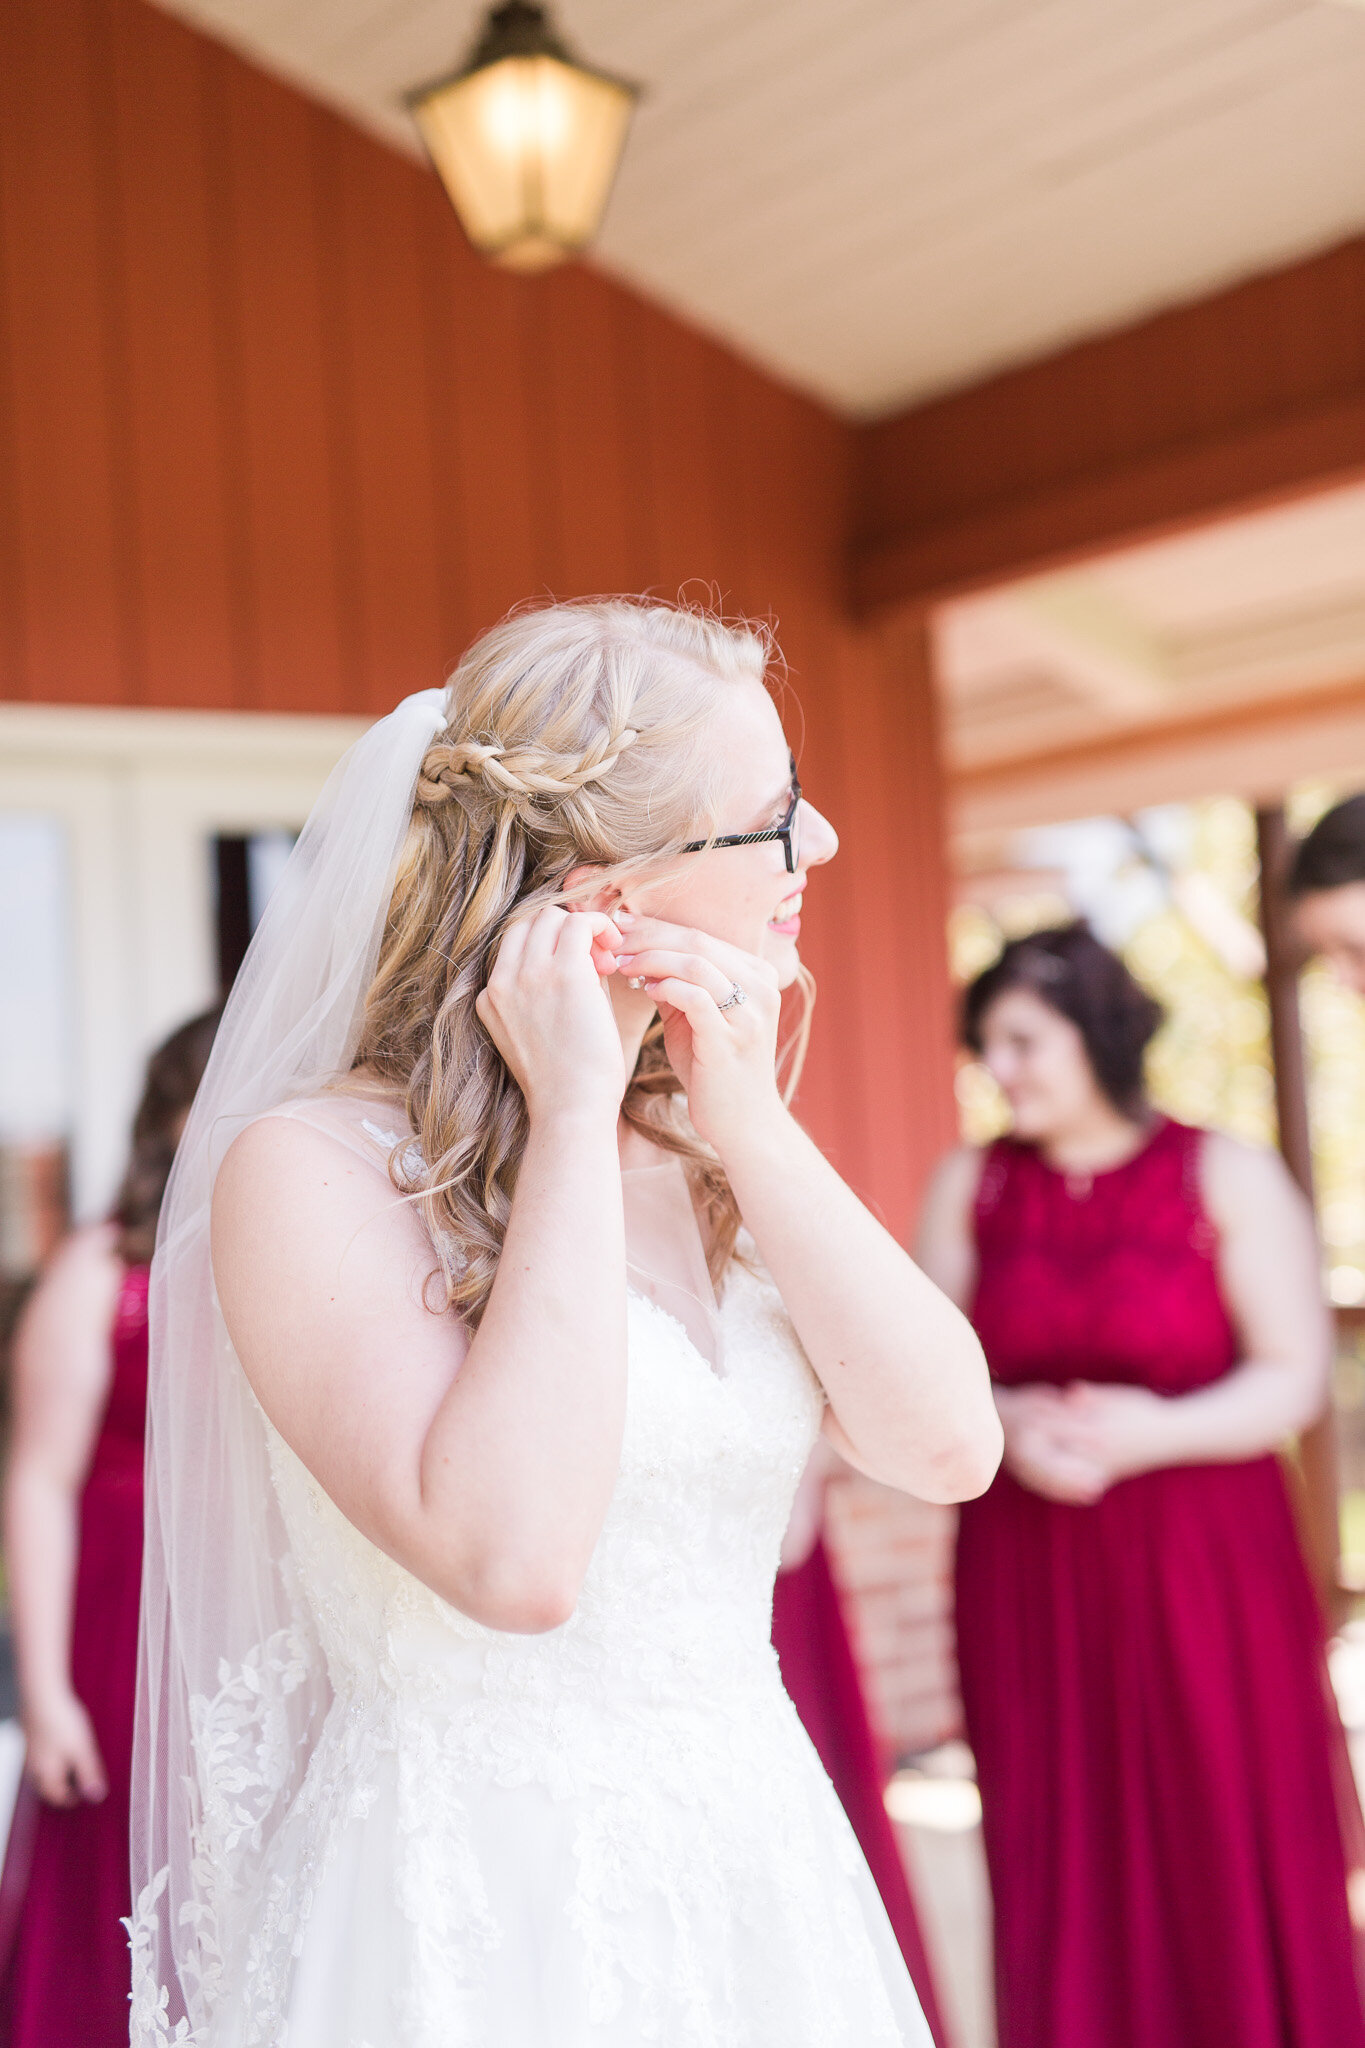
(880, 199)
(1267, 610)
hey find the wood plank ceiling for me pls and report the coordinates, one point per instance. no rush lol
(1239, 613)
(881, 199)
(1228, 659)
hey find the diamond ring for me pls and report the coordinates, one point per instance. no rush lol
(735, 997)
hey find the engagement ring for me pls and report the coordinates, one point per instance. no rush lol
(735, 997)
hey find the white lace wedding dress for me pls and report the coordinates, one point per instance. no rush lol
(606, 1836)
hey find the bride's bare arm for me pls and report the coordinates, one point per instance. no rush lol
(483, 1465)
(910, 1398)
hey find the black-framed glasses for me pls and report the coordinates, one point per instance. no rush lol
(788, 831)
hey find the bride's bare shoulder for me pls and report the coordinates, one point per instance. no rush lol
(373, 1127)
(307, 1225)
(324, 1273)
(314, 1167)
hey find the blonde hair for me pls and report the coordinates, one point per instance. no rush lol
(576, 734)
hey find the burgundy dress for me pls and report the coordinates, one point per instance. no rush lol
(1163, 1776)
(819, 1673)
(67, 1980)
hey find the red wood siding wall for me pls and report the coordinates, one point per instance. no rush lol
(272, 438)
(1253, 394)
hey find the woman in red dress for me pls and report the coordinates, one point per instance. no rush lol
(1165, 1788)
(73, 1548)
(821, 1676)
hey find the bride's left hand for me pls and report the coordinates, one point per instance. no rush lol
(725, 1059)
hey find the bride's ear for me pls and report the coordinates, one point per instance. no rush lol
(590, 891)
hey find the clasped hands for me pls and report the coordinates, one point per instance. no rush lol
(1073, 1443)
(547, 1009)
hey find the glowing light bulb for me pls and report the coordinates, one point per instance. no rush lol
(525, 140)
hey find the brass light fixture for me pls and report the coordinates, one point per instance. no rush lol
(525, 139)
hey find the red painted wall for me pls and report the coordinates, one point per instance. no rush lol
(273, 438)
(1244, 398)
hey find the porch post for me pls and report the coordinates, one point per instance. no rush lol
(1317, 1445)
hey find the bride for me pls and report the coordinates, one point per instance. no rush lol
(498, 1305)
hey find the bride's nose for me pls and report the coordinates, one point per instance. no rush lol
(819, 841)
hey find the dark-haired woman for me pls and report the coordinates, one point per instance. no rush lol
(73, 1548)
(1165, 1792)
(1326, 885)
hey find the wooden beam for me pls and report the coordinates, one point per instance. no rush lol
(1247, 398)
(1145, 501)
(1254, 750)
(1282, 994)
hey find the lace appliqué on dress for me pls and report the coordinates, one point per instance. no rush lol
(615, 1831)
(244, 1744)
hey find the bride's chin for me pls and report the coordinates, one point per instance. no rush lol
(784, 956)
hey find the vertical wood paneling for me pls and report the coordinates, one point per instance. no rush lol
(921, 816)
(676, 391)
(283, 442)
(301, 600)
(1272, 348)
(13, 649)
(730, 412)
(190, 644)
(637, 440)
(878, 918)
(905, 824)
(436, 281)
(482, 428)
(374, 259)
(598, 545)
(63, 359)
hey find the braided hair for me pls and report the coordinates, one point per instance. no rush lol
(576, 735)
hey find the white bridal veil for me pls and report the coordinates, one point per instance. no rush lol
(231, 1688)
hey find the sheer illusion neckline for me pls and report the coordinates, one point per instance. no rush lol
(666, 1257)
(666, 1254)
(666, 1265)
(675, 1323)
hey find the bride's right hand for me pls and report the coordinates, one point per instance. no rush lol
(547, 1011)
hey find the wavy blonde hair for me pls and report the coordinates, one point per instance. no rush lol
(576, 734)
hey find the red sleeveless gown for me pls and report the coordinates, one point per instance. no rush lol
(820, 1674)
(68, 1976)
(1163, 1776)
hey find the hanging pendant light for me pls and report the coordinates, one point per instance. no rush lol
(525, 140)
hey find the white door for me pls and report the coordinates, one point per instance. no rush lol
(111, 818)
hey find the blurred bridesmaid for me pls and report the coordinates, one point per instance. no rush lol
(821, 1676)
(1326, 885)
(73, 1548)
(1166, 1794)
